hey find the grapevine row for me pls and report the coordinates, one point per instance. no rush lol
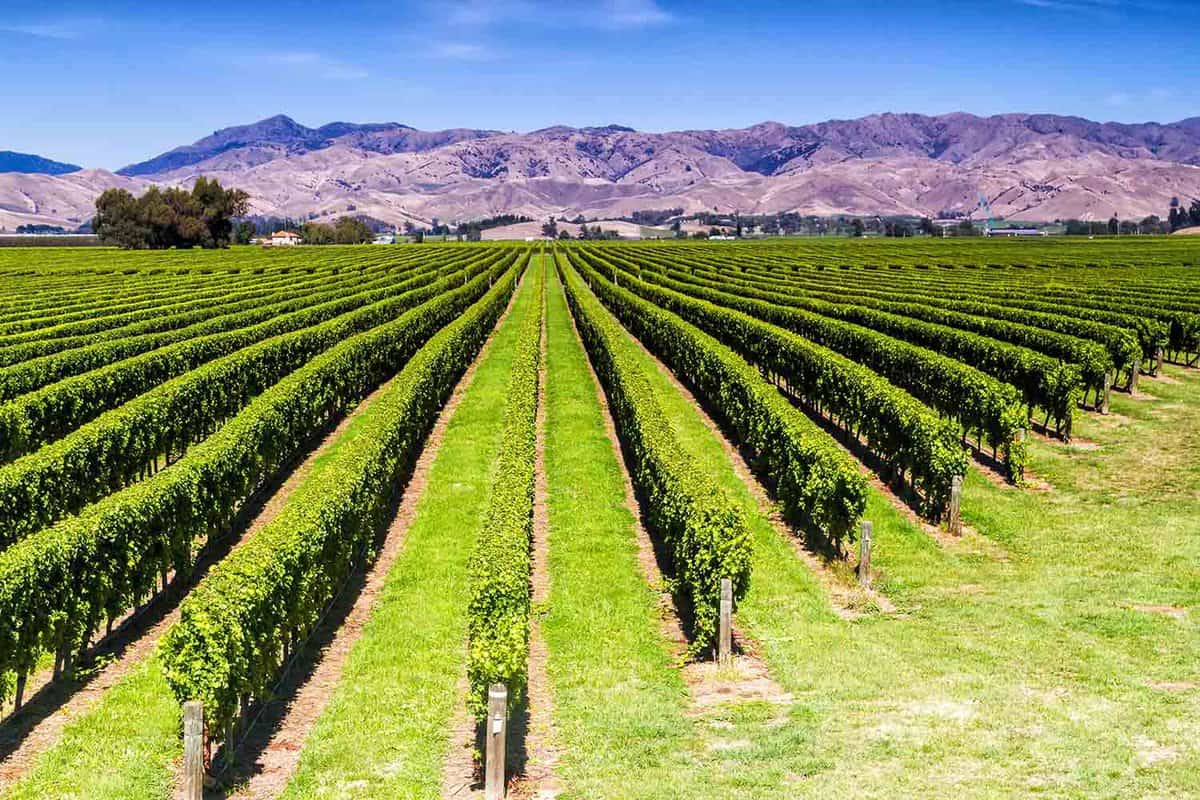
(120, 446)
(59, 584)
(499, 568)
(238, 626)
(817, 483)
(706, 535)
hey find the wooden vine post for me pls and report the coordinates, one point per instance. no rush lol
(193, 750)
(1108, 382)
(1133, 375)
(497, 730)
(725, 628)
(954, 512)
(864, 553)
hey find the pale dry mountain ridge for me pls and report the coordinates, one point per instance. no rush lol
(1031, 167)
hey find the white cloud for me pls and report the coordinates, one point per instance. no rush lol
(1139, 101)
(637, 13)
(310, 63)
(1106, 8)
(607, 14)
(60, 29)
(463, 51)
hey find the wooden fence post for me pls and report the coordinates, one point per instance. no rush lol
(1108, 382)
(864, 553)
(497, 730)
(954, 513)
(193, 750)
(1158, 356)
(1133, 376)
(725, 631)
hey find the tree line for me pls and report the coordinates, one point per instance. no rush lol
(172, 217)
(1180, 217)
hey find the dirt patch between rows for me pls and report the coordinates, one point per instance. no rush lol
(539, 779)
(1174, 612)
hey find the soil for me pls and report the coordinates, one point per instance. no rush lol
(539, 779)
(1175, 612)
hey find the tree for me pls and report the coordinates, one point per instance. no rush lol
(244, 232)
(1178, 218)
(218, 207)
(1114, 225)
(564, 234)
(163, 218)
(550, 229)
(858, 229)
(317, 233)
(927, 227)
(1194, 213)
(351, 230)
(118, 221)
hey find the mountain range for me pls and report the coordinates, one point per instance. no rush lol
(1029, 166)
(25, 162)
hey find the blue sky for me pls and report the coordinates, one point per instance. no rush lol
(106, 84)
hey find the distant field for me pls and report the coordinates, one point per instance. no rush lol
(17, 240)
(336, 493)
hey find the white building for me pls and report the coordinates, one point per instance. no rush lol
(385, 238)
(284, 239)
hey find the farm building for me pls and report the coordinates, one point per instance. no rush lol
(284, 239)
(1013, 232)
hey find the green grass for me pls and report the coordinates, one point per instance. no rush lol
(385, 732)
(620, 702)
(123, 748)
(1016, 664)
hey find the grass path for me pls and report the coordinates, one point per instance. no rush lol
(620, 701)
(384, 732)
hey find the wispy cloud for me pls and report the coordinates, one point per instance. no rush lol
(60, 29)
(308, 62)
(637, 14)
(463, 51)
(608, 14)
(1123, 99)
(1108, 8)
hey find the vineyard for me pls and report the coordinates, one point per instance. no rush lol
(790, 518)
